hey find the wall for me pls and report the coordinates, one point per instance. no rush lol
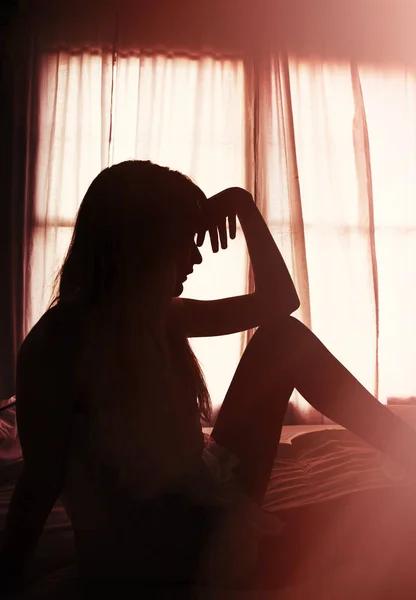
(369, 30)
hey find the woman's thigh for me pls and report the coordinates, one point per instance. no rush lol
(250, 419)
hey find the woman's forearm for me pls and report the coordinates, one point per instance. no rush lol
(273, 283)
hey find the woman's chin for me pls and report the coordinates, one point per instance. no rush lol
(178, 290)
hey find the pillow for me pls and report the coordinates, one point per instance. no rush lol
(10, 450)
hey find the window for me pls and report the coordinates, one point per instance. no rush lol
(355, 278)
(343, 136)
(187, 114)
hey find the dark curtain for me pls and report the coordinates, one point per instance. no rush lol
(17, 160)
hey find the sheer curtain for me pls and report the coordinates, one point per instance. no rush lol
(101, 109)
(328, 149)
(337, 165)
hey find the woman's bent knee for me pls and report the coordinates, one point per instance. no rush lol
(283, 329)
(287, 336)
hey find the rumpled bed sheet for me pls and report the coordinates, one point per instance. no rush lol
(350, 514)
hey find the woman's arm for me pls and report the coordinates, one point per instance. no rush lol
(33, 499)
(43, 404)
(275, 294)
(274, 287)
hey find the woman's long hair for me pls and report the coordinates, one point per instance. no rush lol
(133, 217)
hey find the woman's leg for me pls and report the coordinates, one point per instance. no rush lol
(250, 419)
(278, 359)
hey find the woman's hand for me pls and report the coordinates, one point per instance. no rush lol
(216, 211)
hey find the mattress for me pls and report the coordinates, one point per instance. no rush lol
(347, 511)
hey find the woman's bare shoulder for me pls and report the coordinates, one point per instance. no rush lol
(54, 337)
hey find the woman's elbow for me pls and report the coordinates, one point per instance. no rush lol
(278, 310)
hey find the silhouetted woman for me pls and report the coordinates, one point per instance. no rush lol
(110, 397)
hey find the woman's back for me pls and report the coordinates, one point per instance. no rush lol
(127, 462)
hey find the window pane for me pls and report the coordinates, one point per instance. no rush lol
(186, 114)
(390, 100)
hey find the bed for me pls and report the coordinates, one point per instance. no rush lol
(350, 519)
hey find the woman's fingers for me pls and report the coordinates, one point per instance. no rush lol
(232, 225)
(222, 230)
(200, 237)
(216, 212)
(213, 234)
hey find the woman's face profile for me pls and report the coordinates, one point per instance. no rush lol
(188, 256)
